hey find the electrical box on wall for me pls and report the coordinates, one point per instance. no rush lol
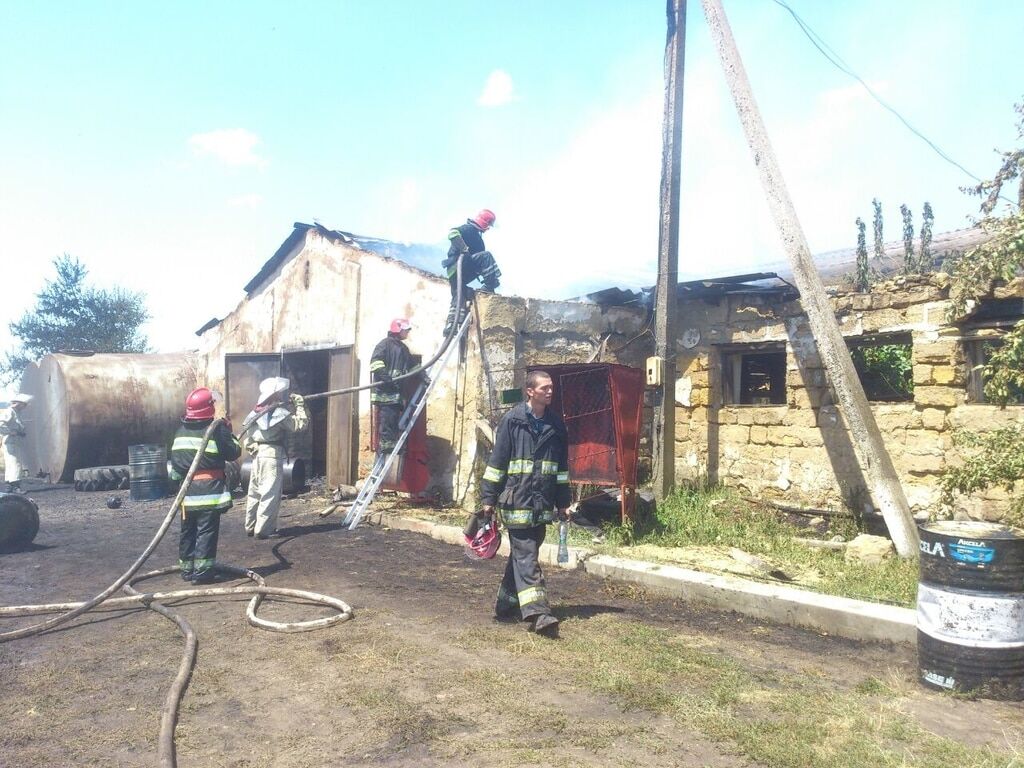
(655, 371)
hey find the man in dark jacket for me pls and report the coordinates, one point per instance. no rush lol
(527, 480)
(477, 263)
(390, 359)
(208, 497)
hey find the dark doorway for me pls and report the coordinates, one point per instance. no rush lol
(327, 446)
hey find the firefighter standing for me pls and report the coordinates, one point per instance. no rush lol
(389, 360)
(477, 263)
(208, 497)
(268, 426)
(527, 479)
(12, 433)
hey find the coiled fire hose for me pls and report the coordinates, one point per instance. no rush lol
(259, 591)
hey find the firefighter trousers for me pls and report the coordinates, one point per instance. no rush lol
(197, 543)
(388, 417)
(522, 587)
(264, 500)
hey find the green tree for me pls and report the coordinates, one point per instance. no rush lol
(909, 261)
(70, 315)
(876, 225)
(996, 458)
(924, 258)
(862, 279)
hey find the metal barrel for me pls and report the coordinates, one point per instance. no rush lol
(970, 608)
(19, 521)
(293, 480)
(147, 471)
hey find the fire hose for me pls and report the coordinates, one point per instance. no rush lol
(259, 591)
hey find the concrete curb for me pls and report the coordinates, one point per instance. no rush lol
(840, 616)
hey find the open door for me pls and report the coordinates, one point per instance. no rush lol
(242, 376)
(341, 421)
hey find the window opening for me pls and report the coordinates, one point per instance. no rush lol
(885, 367)
(754, 376)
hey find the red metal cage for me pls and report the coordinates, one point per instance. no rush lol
(602, 407)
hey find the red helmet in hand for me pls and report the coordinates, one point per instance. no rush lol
(484, 545)
(199, 404)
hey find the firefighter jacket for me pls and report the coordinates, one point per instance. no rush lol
(209, 490)
(268, 429)
(527, 476)
(477, 261)
(390, 359)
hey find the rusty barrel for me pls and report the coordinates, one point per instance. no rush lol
(147, 471)
(293, 478)
(970, 608)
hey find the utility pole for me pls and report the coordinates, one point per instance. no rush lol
(668, 252)
(664, 442)
(882, 478)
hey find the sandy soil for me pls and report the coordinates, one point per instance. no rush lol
(398, 685)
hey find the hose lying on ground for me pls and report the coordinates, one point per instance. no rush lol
(259, 591)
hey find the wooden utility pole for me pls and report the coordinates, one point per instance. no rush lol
(882, 479)
(664, 431)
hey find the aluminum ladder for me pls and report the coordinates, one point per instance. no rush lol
(412, 412)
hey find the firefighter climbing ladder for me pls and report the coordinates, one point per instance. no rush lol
(412, 412)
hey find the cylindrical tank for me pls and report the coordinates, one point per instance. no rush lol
(147, 470)
(89, 408)
(970, 608)
(293, 478)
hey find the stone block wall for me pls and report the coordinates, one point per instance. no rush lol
(800, 452)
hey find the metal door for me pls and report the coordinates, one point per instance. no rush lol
(342, 425)
(242, 377)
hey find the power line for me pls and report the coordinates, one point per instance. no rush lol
(843, 67)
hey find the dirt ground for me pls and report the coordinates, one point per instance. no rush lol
(420, 676)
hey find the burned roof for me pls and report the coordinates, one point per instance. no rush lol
(414, 256)
(711, 289)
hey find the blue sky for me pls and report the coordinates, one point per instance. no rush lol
(161, 142)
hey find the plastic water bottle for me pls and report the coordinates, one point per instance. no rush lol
(563, 541)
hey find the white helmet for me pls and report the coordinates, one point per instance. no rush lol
(275, 385)
(22, 398)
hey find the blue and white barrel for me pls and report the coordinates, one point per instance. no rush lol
(970, 608)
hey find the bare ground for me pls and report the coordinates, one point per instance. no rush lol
(421, 676)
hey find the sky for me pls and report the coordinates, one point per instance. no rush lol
(170, 146)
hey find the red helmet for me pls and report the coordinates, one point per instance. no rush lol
(400, 324)
(484, 545)
(199, 404)
(484, 220)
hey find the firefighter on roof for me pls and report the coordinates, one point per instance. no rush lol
(477, 263)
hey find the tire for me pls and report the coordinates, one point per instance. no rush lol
(113, 477)
(986, 557)
(19, 522)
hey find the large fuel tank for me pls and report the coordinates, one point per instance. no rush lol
(89, 408)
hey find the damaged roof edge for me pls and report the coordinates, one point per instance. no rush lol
(345, 238)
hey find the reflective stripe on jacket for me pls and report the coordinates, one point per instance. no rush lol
(389, 360)
(527, 475)
(211, 491)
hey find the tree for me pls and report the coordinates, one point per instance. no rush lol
(876, 224)
(924, 258)
(863, 277)
(69, 315)
(909, 262)
(996, 458)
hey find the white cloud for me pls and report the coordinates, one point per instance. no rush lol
(498, 89)
(251, 200)
(232, 146)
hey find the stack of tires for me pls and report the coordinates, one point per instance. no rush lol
(110, 478)
(970, 608)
